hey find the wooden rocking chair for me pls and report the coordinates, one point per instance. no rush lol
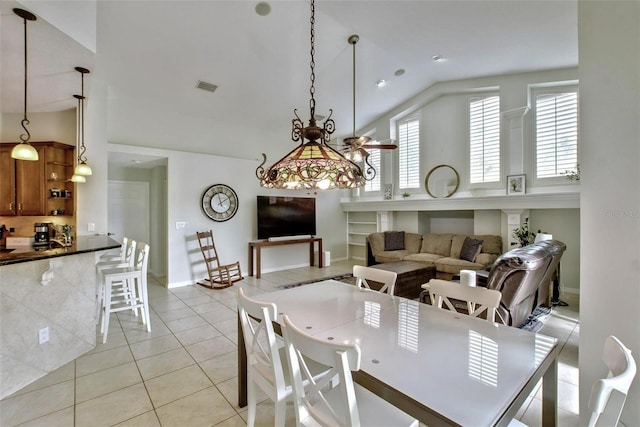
(220, 276)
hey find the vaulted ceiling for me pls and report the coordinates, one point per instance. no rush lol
(151, 54)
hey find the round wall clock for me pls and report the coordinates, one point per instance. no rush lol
(220, 202)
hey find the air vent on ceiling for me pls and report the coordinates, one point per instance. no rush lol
(206, 86)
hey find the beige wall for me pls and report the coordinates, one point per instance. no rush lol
(609, 41)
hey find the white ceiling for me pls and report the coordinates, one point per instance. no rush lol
(151, 54)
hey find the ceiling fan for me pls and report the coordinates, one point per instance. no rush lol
(355, 146)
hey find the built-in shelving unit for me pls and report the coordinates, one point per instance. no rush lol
(360, 225)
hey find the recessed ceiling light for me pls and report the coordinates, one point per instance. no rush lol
(438, 58)
(381, 83)
(399, 72)
(263, 8)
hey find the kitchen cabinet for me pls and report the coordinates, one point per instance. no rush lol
(59, 169)
(26, 186)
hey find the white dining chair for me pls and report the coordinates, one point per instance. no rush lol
(477, 300)
(608, 395)
(364, 274)
(344, 404)
(266, 361)
(125, 288)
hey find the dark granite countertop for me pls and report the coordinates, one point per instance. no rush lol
(80, 245)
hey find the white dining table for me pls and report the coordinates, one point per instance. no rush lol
(441, 367)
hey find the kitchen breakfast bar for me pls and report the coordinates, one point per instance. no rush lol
(46, 296)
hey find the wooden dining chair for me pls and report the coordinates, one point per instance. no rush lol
(477, 300)
(220, 275)
(326, 401)
(267, 368)
(386, 278)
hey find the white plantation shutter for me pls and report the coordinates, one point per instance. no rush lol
(374, 160)
(409, 152)
(556, 133)
(484, 139)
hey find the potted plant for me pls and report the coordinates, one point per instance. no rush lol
(66, 231)
(405, 195)
(523, 235)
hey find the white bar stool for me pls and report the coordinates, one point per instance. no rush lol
(125, 288)
(119, 256)
(128, 249)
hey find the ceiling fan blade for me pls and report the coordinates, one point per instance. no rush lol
(380, 146)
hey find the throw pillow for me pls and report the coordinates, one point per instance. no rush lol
(393, 240)
(470, 249)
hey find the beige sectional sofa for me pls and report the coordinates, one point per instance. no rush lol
(440, 250)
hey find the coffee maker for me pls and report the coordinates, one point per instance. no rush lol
(42, 235)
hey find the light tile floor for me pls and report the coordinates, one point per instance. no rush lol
(184, 372)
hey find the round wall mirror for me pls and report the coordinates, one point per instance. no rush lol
(442, 181)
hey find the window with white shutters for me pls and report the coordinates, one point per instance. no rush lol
(374, 161)
(484, 139)
(409, 152)
(556, 117)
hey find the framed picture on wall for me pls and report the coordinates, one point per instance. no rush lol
(388, 191)
(516, 184)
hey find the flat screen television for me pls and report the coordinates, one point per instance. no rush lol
(286, 216)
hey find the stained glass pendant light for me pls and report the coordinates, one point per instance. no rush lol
(24, 150)
(82, 167)
(312, 165)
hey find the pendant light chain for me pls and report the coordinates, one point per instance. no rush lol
(312, 89)
(25, 120)
(82, 147)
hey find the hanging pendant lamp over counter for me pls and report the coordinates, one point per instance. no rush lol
(24, 150)
(82, 167)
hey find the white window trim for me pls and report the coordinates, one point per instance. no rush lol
(534, 90)
(410, 117)
(500, 181)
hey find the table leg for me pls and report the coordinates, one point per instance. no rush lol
(250, 260)
(242, 368)
(550, 395)
(320, 260)
(258, 262)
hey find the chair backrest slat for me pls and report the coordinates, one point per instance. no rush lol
(310, 400)
(479, 300)
(608, 395)
(386, 278)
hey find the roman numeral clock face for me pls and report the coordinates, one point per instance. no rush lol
(220, 202)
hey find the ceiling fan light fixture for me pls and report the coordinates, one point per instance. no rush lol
(312, 165)
(24, 150)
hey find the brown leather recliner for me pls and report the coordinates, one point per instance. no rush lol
(517, 274)
(556, 248)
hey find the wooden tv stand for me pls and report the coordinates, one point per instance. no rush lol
(258, 245)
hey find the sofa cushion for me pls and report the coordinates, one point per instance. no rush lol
(422, 257)
(393, 240)
(391, 256)
(490, 244)
(436, 244)
(470, 249)
(454, 265)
